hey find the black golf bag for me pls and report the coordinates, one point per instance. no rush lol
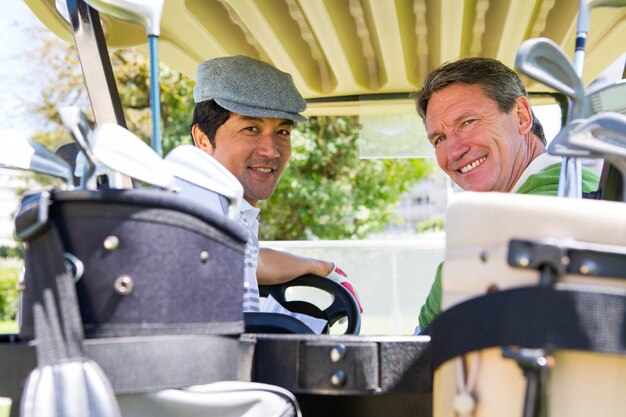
(144, 262)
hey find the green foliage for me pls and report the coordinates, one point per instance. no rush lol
(65, 86)
(432, 225)
(133, 81)
(8, 293)
(61, 85)
(16, 252)
(327, 192)
(8, 284)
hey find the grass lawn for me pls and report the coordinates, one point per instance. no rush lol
(8, 327)
(8, 279)
(9, 272)
(5, 407)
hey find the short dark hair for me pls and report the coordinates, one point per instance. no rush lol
(209, 116)
(496, 80)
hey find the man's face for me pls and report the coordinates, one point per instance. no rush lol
(255, 150)
(478, 146)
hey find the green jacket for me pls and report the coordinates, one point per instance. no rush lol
(542, 183)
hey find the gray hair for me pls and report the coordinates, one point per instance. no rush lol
(495, 79)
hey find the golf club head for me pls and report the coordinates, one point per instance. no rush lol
(87, 174)
(145, 12)
(610, 98)
(207, 176)
(613, 73)
(124, 152)
(543, 60)
(561, 144)
(23, 153)
(102, 177)
(76, 122)
(603, 135)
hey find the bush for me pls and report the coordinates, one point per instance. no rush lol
(16, 252)
(8, 293)
(433, 225)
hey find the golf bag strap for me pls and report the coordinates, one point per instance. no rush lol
(49, 250)
(532, 317)
(144, 364)
(33, 225)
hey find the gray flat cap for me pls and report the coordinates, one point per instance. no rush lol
(246, 86)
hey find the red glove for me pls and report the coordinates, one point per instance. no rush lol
(340, 277)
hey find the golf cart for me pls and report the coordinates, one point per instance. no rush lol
(341, 54)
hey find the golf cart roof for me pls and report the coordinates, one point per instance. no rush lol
(340, 50)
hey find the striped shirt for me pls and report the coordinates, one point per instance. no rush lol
(249, 220)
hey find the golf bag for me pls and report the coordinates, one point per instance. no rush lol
(144, 262)
(156, 285)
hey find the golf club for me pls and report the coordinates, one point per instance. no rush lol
(612, 74)
(582, 27)
(610, 98)
(21, 152)
(566, 186)
(561, 144)
(543, 60)
(604, 136)
(606, 93)
(87, 166)
(148, 13)
(200, 177)
(103, 176)
(76, 122)
(124, 152)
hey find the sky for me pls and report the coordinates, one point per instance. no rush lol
(17, 87)
(15, 72)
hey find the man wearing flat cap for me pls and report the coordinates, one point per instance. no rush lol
(245, 111)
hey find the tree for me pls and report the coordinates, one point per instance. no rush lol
(65, 86)
(133, 81)
(327, 192)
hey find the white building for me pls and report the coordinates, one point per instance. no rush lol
(427, 200)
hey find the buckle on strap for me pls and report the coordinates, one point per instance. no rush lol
(31, 219)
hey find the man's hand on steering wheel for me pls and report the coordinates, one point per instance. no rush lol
(343, 305)
(340, 277)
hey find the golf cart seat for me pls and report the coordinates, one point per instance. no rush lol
(533, 304)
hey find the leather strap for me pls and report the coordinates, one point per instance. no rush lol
(532, 317)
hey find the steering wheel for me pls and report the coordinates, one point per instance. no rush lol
(343, 305)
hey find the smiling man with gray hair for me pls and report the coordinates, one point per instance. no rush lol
(245, 111)
(486, 137)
